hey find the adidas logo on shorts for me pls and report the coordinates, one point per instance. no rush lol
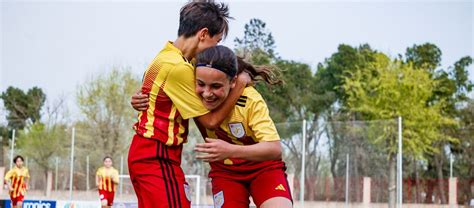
(280, 187)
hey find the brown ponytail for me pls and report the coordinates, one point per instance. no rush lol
(271, 75)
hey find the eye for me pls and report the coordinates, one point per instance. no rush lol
(216, 86)
(200, 83)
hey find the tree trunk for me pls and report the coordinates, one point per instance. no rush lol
(392, 182)
(439, 171)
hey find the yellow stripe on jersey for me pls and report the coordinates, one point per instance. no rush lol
(171, 126)
(155, 89)
(110, 184)
(181, 129)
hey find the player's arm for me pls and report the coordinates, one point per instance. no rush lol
(115, 177)
(217, 149)
(27, 179)
(27, 182)
(8, 178)
(183, 94)
(97, 180)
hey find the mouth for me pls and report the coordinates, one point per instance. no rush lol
(209, 101)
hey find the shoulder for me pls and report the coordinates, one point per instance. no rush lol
(251, 95)
(172, 59)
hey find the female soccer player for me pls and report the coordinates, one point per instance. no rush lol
(246, 156)
(106, 180)
(17, 180)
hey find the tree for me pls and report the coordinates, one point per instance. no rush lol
(451, 89)
(106, 124)
(426, 56)
(464, 151)
(387, 89)
(257, 40)
(22, 108)
(329, 100)
(42, 142)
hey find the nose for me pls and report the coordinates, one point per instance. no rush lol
(207, 93)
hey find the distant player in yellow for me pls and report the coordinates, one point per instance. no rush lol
(17, 180)
(106, 180)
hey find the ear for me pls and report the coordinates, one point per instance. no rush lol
(202, 33)
(232, 82)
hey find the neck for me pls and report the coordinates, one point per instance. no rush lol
(187, 46)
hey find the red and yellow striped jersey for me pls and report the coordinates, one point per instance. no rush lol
(17, 176)
(108, 178)
(170, 83)
(248, 123)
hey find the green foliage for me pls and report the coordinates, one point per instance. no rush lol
(256, 38)
(23, 107)
(386, 89)
(330, 76)
(41, 143)
(104, 102)
(461, 78)
(426, 56)
(287, 102)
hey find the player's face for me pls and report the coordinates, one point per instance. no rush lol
(207, 41)
(19, 162)
(212, 86)
(108, 162)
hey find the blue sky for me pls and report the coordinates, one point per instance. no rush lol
(57, 45)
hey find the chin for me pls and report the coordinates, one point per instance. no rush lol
(210, 108)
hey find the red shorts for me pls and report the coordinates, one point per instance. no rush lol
(107, 195)
(17, 199)
(229, 193)
(156, 174)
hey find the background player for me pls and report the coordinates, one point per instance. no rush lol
(17, 180)
(106, 180)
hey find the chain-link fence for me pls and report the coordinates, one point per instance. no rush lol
(345, 162)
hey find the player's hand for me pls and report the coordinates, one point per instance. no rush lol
(245, 78)
(215, 150)
(139, 101)
(10, 188)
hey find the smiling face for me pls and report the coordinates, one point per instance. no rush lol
(212, 86)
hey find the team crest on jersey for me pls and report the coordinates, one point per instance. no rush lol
(237, 129)
(219, 199)
(187, 192)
